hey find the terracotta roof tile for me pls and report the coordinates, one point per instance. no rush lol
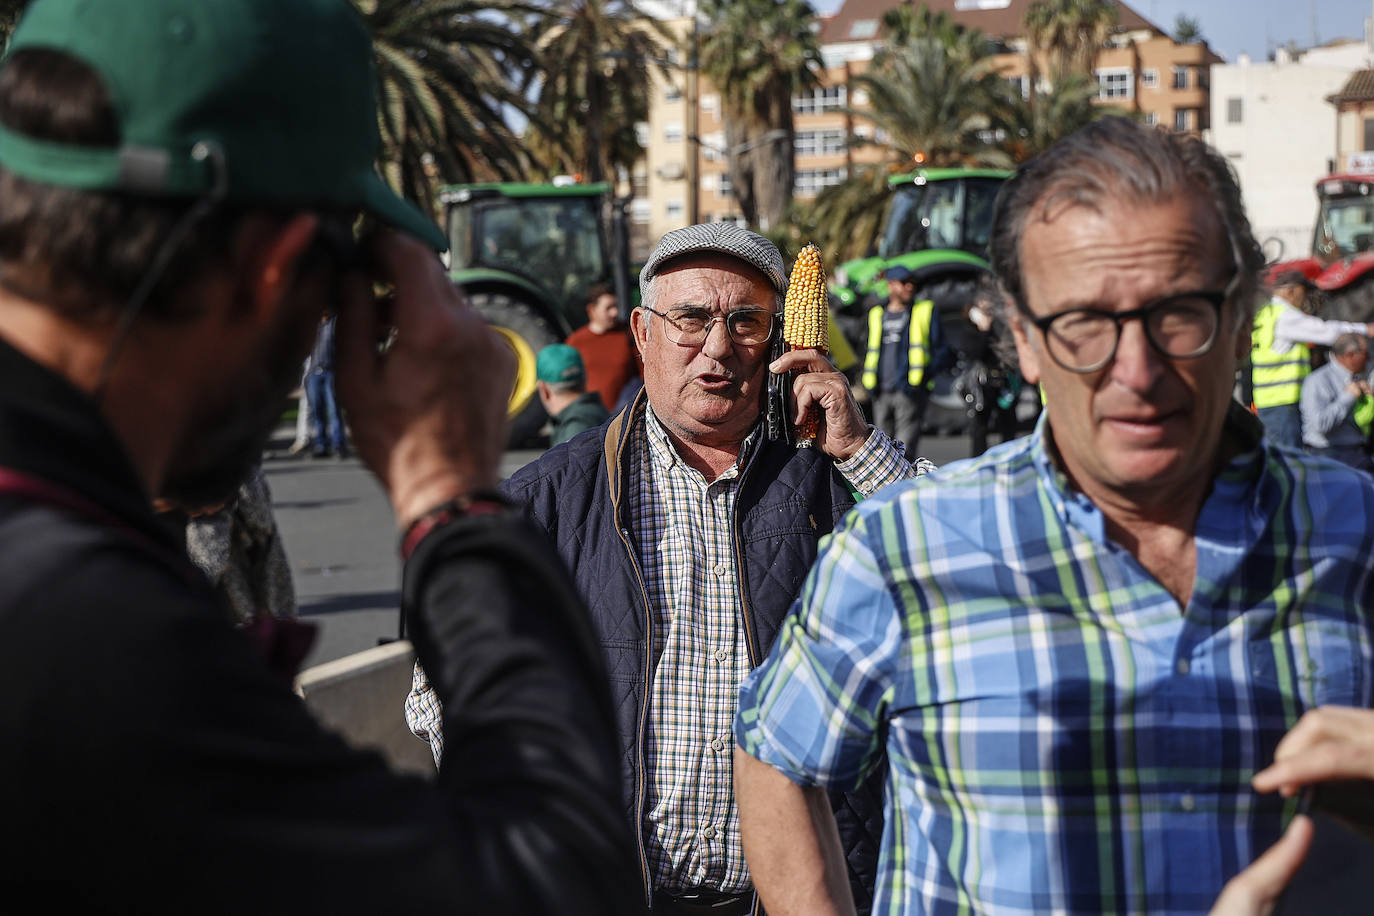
(1359, 88)
(1004, 22)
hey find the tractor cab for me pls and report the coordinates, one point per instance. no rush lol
(940, 211)
(1345, 217)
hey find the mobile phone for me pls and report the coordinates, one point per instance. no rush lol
(1337, 877)
(778, 412)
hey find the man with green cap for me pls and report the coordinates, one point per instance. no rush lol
(179, 181)
(562, 381)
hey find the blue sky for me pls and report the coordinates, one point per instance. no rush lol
(1253, 27)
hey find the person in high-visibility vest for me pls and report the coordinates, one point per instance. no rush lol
(1338, 405)
(1280, 354)
(903, 337)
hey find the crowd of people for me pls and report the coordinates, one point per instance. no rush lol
(675, 664)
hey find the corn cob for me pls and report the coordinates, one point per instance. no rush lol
(806, 323)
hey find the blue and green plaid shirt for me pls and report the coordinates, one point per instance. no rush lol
(1059, 736)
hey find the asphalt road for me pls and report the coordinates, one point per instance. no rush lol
(341, 541)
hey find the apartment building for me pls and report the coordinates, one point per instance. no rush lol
(1142, 69)
(1261, 108)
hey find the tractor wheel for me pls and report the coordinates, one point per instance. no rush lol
(1351, 303)
(526, 332)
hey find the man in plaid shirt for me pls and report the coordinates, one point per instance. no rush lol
(1076, 650)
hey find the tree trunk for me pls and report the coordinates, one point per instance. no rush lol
(741, 165)
(775, 163)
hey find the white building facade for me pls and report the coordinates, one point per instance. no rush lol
(1272, 121)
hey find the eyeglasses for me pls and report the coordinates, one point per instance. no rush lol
(689, 327)
(1180, 327)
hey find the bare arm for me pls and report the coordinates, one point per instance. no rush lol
(791, 843)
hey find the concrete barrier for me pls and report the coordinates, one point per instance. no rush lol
(361, 697)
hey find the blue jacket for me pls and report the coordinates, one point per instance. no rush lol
(788, 499)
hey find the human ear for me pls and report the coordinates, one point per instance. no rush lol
(1026, 353)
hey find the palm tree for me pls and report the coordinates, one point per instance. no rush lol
(759, 54)
(1068, 34)
(932, 97)
(595, 86)
(10, 11)
(448, 71)
(1034, 125)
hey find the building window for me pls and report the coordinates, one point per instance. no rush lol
(1115, 83)
(713, 147)
(828, 98)
(1183, 119)
(1149, 78)
(1151, 118)
(819, 143)
(672, 93)
(1234, 111)
(1180, 77)
(1020, 85)
(641, 210)
(1369, 133)
(726, 188)
(809, 181)
(642, 134)
(710, 104)
(674, 210)
(672, 132)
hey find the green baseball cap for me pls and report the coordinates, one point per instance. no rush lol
(560, 364)
(262, 101)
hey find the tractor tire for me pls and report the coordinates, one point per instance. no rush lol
(526, 332)
(1352, 303)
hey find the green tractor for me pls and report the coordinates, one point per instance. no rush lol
(526, 254)
(938, 226)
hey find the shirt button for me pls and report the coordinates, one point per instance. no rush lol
(717, 745)
(1187, 803)
(708, 833)
(719, 569)
(1183, 666)
(721, 655)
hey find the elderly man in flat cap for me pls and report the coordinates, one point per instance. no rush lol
(689, 533)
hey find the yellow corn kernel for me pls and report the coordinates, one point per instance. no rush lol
(806, 312)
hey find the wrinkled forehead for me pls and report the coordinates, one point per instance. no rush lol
(714, 281)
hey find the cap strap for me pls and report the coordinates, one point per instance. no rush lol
(132, 168)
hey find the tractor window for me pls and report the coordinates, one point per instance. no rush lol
(944, 203)
(981, 196)
(904, 231)
(459, 237)
(1349, 223)
(556, 241)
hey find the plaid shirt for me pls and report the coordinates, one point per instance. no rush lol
(1059, 736)
(684, 537)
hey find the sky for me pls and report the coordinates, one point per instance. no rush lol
(1251, 27)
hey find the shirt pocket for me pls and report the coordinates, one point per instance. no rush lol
(1321, 662)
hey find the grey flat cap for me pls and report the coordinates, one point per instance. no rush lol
(726, 238)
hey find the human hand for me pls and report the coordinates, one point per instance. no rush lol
(842, 428)
(1255, 891)
(429, 416)
(1328, 743)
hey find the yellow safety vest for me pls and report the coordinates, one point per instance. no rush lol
(917, 334)
(1277, 377)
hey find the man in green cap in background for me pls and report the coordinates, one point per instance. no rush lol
(562, 382)
(179, 182)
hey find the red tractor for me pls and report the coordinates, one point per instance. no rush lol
(1342, 260)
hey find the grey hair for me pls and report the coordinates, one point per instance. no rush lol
(1117, 157)
(1348, 343)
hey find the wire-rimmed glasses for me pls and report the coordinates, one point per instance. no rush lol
(690, 326)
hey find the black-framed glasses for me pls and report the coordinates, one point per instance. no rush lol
(1183, 326)
(689, 327)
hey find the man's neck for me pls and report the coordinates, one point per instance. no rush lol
(897, 305)
(136, 405)
(709, 456)
(560, 400)
(600, 328)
